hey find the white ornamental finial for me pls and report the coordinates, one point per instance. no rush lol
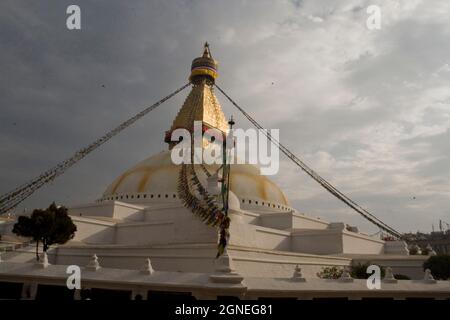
(428, 277)
(389, 276)
(418, 250)
(430, 250)
(224, 263)
(43, 261)
(346, 277)
(148, 269)
(93, 264)
(297, 276)
(224, 271)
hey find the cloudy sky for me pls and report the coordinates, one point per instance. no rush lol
(368, 109)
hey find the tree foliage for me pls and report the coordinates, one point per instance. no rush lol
(439, 266)
(50, 226)
(330, 272)
(359, 270)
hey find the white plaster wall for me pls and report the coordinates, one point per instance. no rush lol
(289, 220)
(145, 233)
(192, 258)
(300, 221)
(269, 264)
(93, 231)
(250, 217)
(166, 211)
(189, 229)
(93, 210)
(269, 269)
(281, 221)
(185, 229)
(198, 258)
(111, 209)
(334, 241)
(128, 212)
(396, 247)
(356, 243)
(317, 242)
(6, 227)
(248, 235)
(272, 239)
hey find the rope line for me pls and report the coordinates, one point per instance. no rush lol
(324, 183)
(14, 197)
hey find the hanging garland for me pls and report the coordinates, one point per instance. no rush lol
(205, 208)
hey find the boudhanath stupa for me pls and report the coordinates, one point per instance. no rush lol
(144, 238)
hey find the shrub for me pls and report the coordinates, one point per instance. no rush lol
(439, 266)
(330, 273)
(413, 251)
(359, 270)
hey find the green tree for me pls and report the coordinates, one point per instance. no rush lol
(439, 266)
(50, 226)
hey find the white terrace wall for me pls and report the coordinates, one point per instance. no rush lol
(358, 243)
(290, 220)
(247, 235)
(334, 241)
(301, 221)
(111, 209)
(93, 231)
(166, 226)
(317, 241)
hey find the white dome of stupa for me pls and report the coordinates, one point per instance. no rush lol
(156, 180)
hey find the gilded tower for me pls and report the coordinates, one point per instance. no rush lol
(201, 104)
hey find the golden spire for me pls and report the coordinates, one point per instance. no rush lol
(204, 67)
(206, 51)
(201, 104)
